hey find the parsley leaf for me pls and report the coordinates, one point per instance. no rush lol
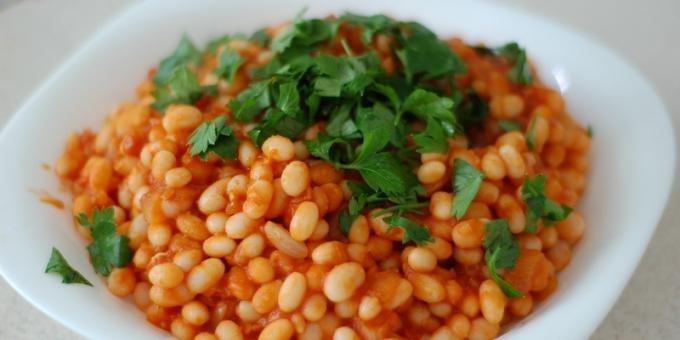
(302, 36)
(214, 44)
(383, 172)
(58, 265)
(412, 230)
(539, 206)
(321, 146)
(228, 63)
(260, 37)
(376, 125)
(182, 87)
(432, 139)
(424, 55)
(275, 122)
(107, 249)
(520, 72)
(185, 53)
(425, 104)
(531, 134)
(502, 250)
(509, 125)
(589, 131)
(288, 100)
(370, 24)
(472, 110)
(213, 136)
(250, 102)
(466, 183)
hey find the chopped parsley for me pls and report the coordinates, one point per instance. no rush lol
(228, 63)
(539, 206)
(519, 73)
(502, 251)
(589, 131)
(107, 250)
(216, 137)
(509, 125)
(466, 183)
(376, 123)
(413, 232)
(58, 265)
(185, 53)
(433, 138)
(182, 87)
(531, 133)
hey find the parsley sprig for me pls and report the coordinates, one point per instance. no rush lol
(501, 252)
(466, 183)
(520, 72)
(107, 250)
(58, 265)
(539, 206)
(213, 136)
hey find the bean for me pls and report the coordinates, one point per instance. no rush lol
(278, 148)
(281, 329)
(195, 313)
(345, 333)
(260, 270)
(427, 288)
(304, 221)
(492, 301)
(369, 307)
(284, 242)
(266, 297)
(314, 307)
(422, 260)
(292, 292)
(258, 198)
(205, 275)
(212, 199)
(121, 281)
(343, 281)
(218, 246)
(170, 297)
(166, 275)
(228, 330)
(295, 178)
(181, 117)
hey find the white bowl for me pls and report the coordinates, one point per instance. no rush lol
(633, 154)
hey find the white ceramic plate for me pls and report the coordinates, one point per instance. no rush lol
(633, 155)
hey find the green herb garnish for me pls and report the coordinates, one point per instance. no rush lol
(185, 53)
(520, 72)
(182, 88)
(213, 136)
(58, 265)
(531, 133)
(466, 183)
(228, 63)
(107, 249)
(539, 206)
(509, 125)
(412, 230)
(502, 251)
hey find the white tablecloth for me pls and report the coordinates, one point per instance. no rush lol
(37, 35)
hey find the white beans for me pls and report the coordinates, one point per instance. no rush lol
(292, 292)
(283, 241)
(304, 221)
(343, 280)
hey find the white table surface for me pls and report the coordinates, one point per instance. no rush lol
(37, 35)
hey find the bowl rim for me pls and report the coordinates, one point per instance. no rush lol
(113, 22)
